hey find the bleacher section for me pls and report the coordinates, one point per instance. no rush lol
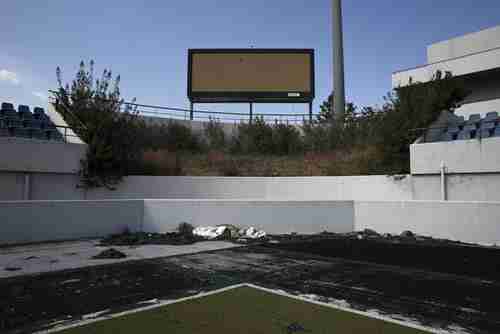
(24, 123)
(458, 128)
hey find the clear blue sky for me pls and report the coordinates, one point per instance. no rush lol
(147, 41)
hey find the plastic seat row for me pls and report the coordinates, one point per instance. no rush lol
(23, 123)
(474, 127)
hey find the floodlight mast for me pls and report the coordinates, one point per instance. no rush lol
(338, 61)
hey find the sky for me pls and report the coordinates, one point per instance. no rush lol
(146, 42)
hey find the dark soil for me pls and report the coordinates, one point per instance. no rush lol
(143, 238)
(437, 282)
(28, 302)
(410, 252)
(435, 299)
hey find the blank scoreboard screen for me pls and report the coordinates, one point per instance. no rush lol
(251, 75)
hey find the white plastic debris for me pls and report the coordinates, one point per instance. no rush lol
(213, 232)
(252, 233)
(209, 232)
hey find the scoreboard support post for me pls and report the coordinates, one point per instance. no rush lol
(251, 112)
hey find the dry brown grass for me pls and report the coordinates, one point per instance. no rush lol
(216, 163)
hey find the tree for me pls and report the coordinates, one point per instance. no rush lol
(110, 128)
(414, 106)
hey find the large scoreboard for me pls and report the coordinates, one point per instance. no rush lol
(251, 75)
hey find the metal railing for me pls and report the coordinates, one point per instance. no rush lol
(205, 115)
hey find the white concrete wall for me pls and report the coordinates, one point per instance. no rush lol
(476, 222)
(459, 156)
(481, 108)
(272, 216)
(464, 45)
(32, 221)
(467, 187)
(265, 188)
(11, 186)
(459, 66)
(31, 155)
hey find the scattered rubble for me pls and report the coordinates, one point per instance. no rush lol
(12, 268)
(143, 238)
(110, 253)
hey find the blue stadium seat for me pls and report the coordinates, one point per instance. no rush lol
(464, 134)
(474, 118)
(23, 109)
(7, 106)
(496, 133)
(450, 133)
(493, 115)
(38, 111)
(447, 137)
(485, 133)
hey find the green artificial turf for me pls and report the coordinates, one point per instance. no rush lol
(243, 310)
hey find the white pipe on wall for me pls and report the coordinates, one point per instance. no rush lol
(27, 187)
(443, 182)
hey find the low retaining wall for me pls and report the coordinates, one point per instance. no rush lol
(475, 222)
(306, 217)
(33, 221)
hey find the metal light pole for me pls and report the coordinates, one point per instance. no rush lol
(338, 60)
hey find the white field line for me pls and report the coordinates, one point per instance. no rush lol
(276, 292)
(140, 309)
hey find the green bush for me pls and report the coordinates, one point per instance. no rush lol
(255, 137)
(286, 139)
(214, 135)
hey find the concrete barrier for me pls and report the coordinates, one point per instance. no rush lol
(272, 216)
(33, 221)
(476, 222)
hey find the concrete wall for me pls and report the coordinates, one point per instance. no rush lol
(32, 221)
(464, 45)
(272, 216)
(31, 155)
(260, 188)
(476, 222)
(481, 108)
(459, 156)
(474, 63)
(466, 187)
(29, 221)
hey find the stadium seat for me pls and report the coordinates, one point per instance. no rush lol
(23, 109)
(474, 118)
(464, 134)
(493, 115)
(485, 133)
(447, 137)
(450, 133)
(7, 106)
(496, 133)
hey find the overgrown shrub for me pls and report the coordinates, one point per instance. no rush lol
(172, 136)
(255, 137)
(286, 139)
(158, 163)
(214, 135)
(99, 117)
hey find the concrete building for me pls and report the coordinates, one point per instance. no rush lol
(474, 59)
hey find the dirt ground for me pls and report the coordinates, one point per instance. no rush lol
(396, 278)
